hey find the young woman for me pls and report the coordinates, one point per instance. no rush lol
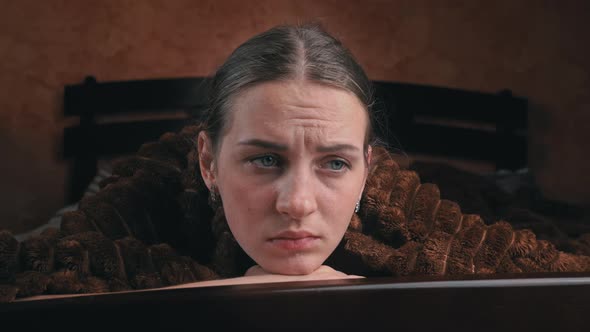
(286, 148)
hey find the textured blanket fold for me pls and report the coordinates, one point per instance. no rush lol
(150, 225)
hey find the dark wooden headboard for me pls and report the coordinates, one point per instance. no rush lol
(115, 118)
(455, 123)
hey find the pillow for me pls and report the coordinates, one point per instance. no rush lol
(104, 171)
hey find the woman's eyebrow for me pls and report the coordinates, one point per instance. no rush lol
(264, 144)
(337, 147)
(281, 147)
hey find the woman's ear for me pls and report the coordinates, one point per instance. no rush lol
(206, 160)
(368, 156)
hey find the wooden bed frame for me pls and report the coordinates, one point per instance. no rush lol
(523, 302)
(115, 118)
(423, 119)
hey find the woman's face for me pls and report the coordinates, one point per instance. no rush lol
(289, 171)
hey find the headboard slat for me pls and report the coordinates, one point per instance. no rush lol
(115, 138)
(135, 96)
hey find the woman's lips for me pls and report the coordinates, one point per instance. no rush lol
(294, 240)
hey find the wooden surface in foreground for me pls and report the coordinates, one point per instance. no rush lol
(523, 302)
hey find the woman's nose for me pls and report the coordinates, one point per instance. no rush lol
(296, 197)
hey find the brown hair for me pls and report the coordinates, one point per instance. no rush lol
(281, 53)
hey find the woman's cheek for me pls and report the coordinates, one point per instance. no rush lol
(250, 197)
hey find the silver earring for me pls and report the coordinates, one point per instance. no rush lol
(214, 198)
(357, 206)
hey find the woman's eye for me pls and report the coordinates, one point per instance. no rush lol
(336, 165)
(265, 161)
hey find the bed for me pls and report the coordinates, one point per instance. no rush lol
(428, 126)
(416, 119)
(471, 144)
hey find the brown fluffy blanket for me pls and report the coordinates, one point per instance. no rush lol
(150, 225)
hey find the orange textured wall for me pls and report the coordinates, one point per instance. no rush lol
(538, 49)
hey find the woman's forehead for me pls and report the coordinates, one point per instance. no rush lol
(302, 93)
(275, 108)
